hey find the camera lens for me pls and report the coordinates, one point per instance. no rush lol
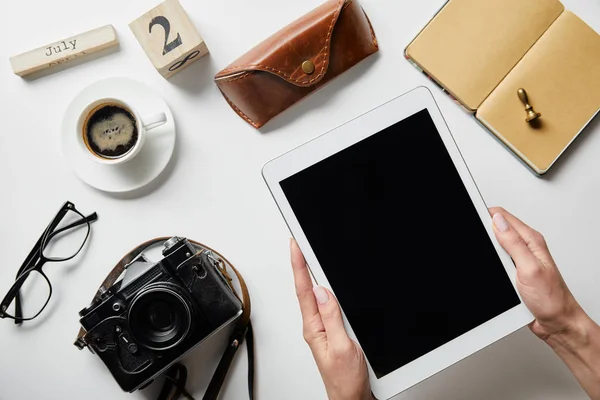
(160, 316)
(162, 319)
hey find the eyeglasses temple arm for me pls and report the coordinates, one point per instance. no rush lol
(90, 218)
(35, 252)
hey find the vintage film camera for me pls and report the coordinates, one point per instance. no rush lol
(158, 312)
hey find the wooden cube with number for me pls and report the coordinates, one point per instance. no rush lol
(169, 38)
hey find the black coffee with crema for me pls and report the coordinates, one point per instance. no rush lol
(110, 131)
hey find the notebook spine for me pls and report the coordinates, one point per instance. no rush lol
(437, 84)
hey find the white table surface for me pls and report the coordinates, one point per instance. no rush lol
(213, 192)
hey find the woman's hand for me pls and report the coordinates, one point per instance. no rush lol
(341, 362)
(559, 319)
(540, 284)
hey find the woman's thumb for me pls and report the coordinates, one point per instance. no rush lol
(331, 315)
(513, 243)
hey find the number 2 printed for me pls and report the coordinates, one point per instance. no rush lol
(164, 22)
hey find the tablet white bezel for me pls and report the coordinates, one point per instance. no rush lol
(348, 134)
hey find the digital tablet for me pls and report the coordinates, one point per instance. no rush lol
(389, 218)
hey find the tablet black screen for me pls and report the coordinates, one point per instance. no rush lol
(400, 242)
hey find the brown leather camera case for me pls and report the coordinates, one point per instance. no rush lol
(297, 60)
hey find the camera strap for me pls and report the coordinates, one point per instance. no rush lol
(176, 376)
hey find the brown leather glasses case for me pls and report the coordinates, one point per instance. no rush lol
(297, 60)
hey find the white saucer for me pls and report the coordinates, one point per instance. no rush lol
(147, 165)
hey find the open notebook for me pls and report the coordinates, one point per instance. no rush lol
(482, 52)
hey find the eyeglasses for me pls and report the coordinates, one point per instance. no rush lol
(62, 240)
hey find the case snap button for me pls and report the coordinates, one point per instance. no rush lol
(308, 67)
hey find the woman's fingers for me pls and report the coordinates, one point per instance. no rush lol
(534, 240)
(331, 315)
(311, 319)
(527, 263)
(321, 314)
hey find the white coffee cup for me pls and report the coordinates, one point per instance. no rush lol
(140, 127)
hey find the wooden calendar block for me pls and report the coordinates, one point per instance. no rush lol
(64, 50)
(169, 38)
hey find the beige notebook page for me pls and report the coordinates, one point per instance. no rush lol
(561, 74)
(471, 45)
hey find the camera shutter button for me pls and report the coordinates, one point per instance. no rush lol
(169, 244)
